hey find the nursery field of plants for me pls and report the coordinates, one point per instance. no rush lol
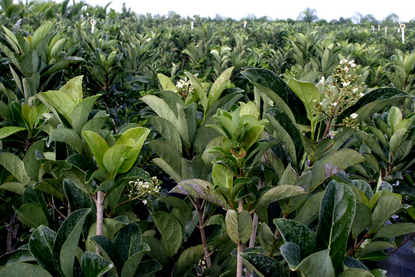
(140, 145)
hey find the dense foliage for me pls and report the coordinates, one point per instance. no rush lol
(139, 145)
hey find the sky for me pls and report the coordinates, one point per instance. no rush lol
(326, 9)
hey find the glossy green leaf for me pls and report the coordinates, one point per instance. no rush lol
(394, 230)
(201, 189)
(158, 252)
(170, 156)
(161, 108)
(24, 269)
(81, 112)
(386, 206)
(239, 226)
(15, 187)
(266, 239)
(179, 204)
(199, 91)
(219, 85)
(66, 242)
(318, 264)
(353, 272)
(93, 265)
(188, 258)
(41, 244)
(292, 254)
(15, 166)
(298, 233)
(166, 83)
(310, 210)
(330, 164)
(338, 208)
(32, 215)
(263, 265)
(131, 266)
(147, 267)
(109, 251)
(10, 130)
(170, 231)
(98, 147)
(375, 245)
(68, 136)
(167, 130)
(278, 193)
(195, 169)
(374, 101)
(361, 220)
(278, 91)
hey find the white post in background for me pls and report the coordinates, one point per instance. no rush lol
(373, 29)
(386, 30)
(378, 27)
(245, 23)
(93, 22)
(191, 25)
(403, 33)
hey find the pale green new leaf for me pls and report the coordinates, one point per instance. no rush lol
(239, 226)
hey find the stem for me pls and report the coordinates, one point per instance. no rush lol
(239, 266)
(11, 233)
(354, 249)
(100, 215)
(400, 245)
(254, 229)
(202, 232)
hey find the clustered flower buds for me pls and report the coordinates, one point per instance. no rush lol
(185, 87)
(143, 190)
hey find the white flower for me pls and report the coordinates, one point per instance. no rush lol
(362, 94)
(346, 69)
(333, 104)
(341, 62)
(355, 90)
(345, 84)
(145, 202)
(354, 115)
(321, 103)
(322, 80)
(179, 85)
(352, 65)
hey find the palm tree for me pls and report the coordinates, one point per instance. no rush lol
(309, 15)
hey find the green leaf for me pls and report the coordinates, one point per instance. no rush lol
(68, 136)
(188, 258)
(169, 155)
(338, 208)
(166, 83)
(279, 192)
(386, 206)
(298, 233)
(41, 244)
(93, 265)
(170, 231)
(292, 254)
(135, 138)
(15, 166)
(178, 204)
(317, 265)
(200, 189)
(267, 239)
(199, 91)
(361, 219)
(352, 272)
(327, 166)
(109, 251)
(19, 256)
(376, 245)
(62, 64)
(310, 210)
(278, 91)
(161, 108)
(167, 130)
(15, 187)
(158, 252)
(40, 33)
(394, 230)
(98, 147)
(239, 226)
(66, 242)
(81, 112)
(32, 215)
(218, 86)
(263, 265)
(131, 266)
(308, 94)
(24, 269)
(374, 101)
(10, 130)
(147, 267)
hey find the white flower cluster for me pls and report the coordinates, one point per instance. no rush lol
(348, 63)
(185, 87)
(144, 189)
